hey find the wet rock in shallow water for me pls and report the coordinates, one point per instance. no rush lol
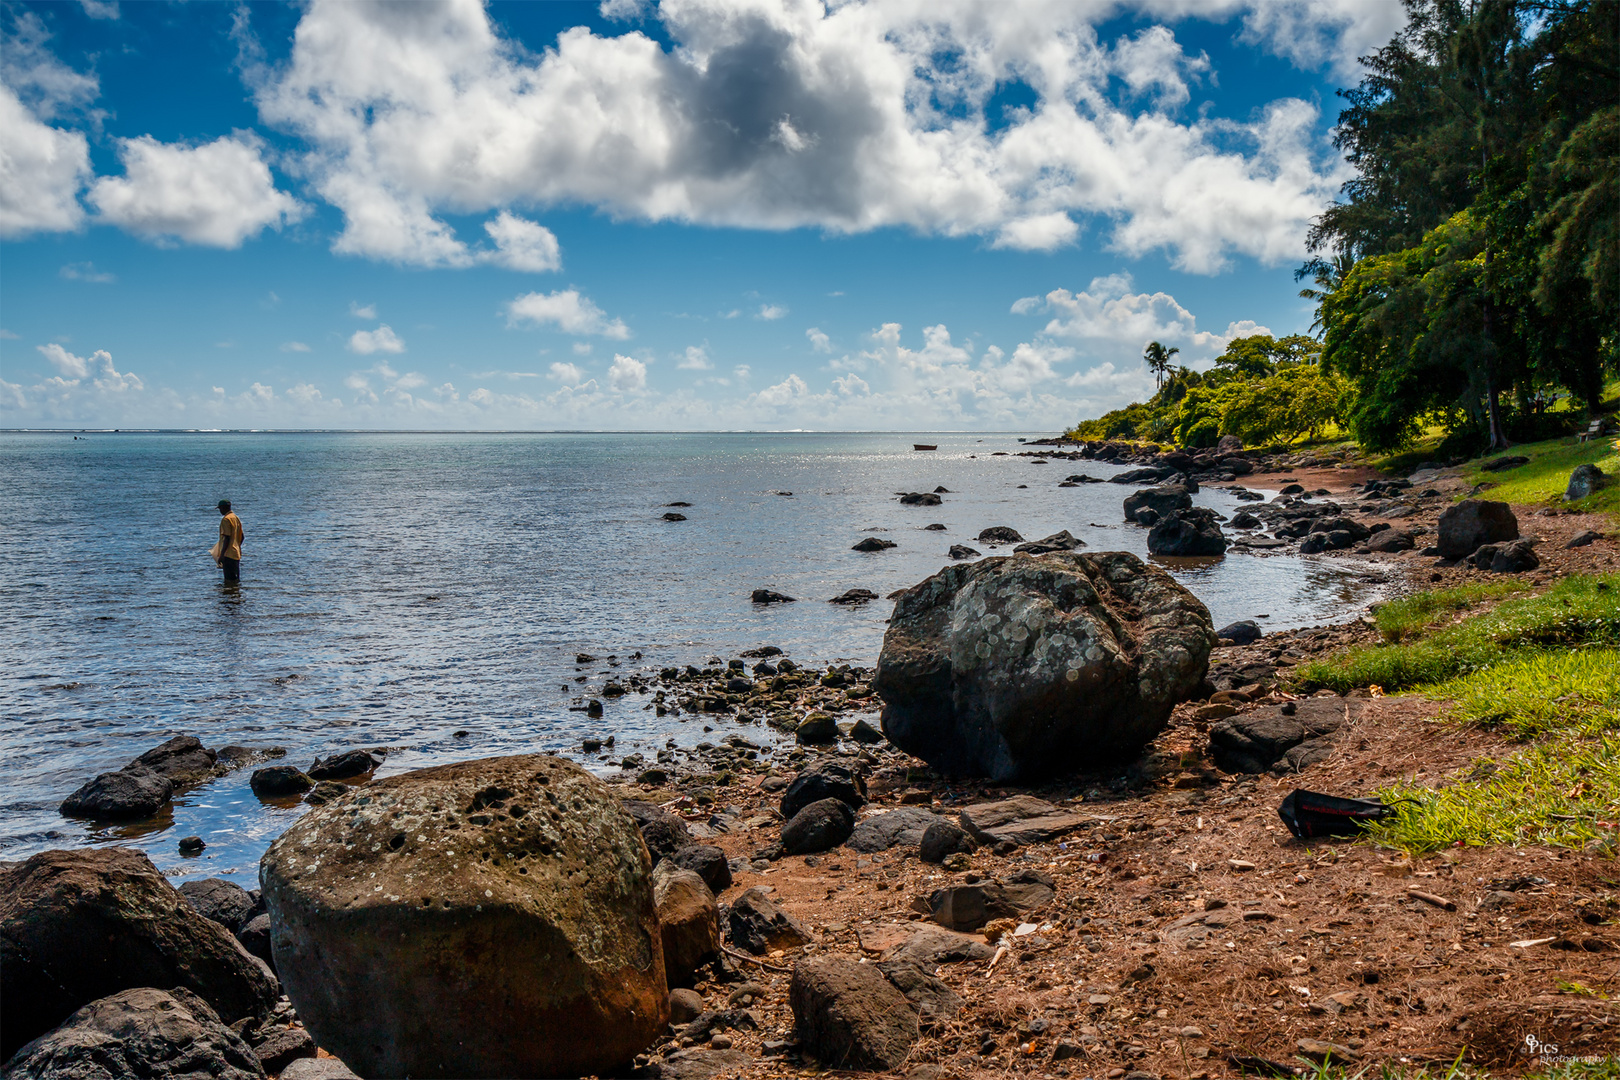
(1340, 523)
(664, 833)
(962, 551)
(1163, 501)
(1186, 533)
(672, 516)
(142, 1032)
(1246, 632)
(758, 926)
(821, 826)
(850, 1016)
(344, 766)
(817, 729)
(708, 862)
(192, 845)
(1583, 481)
(688, 920)
(1467, 525)
(1027, 666)
(1146, 516)
(279, 781)
(325, 791)
(145, 934)
(824, 780)
(522, 942)
(863, 732)
(120, 796)
(225, 902)
(920, 498)
(1244, 520)
(935, 527)
(766, 596)
(941, 840)
(874, 543)
(1059, 541)
(1510, 558)
(1000, 534)
(901, 827)
(854, 596)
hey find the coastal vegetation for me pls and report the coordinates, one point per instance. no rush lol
(1466, 279)
(1541, 670)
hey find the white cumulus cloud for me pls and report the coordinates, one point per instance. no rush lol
(771, 312)
(218, 194)
(381, 340)
(42, 169)
(627, 375)
(696, 358)
(566, 310)
(523, 245)
(567, 374)
(818, 341)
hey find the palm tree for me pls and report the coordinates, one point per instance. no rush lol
(1158, 361)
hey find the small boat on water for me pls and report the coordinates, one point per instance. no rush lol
(924, 446)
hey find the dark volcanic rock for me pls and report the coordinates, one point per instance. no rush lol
(279, 781)
(255, 938)
(344, 766)
(1466, 526)
(920, 498)
(1059, 541)
(962, 551)
(854, 596)
(874, 543)
(1254, 741)
(824, 780)
(821, 826)
(1246, 632)
(673, 516)
(968, 907)
(1141, 476)
(942, 839)
(850, 1016)
(283, 1046)
(1582, 539)
(901, 827)
(1498, 464)
(1511, 558)
(757, 925)
(1389, 541)
(1188, 532)
(999, 534)
(1244, 520)
(120, 796)
(139, 1033)
(688, 921)
(485, 918)
(325, 791)
(183, 759)
(1583, 481)
(708, 862)
(932, 945)
(1340, 523)
(664, 833)
(53, 905)
(225, 902)
(766, 596)
(1019, 666)
(1161, 500)
(934, 1000)
(1146, 516)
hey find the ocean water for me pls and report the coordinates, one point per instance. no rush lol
(399, 588)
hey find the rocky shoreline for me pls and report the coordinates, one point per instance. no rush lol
(757, 906)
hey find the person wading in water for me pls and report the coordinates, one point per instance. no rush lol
(228, 552)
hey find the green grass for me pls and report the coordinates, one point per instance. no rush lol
(1607, 1068)
(1546, 476)
(1579, 610)
(1410, 615)
(1542, 670)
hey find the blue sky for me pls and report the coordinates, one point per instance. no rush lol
(700, 214)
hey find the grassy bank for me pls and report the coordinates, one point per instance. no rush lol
(1542, 670)
(1546, 476)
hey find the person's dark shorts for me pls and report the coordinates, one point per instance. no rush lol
(232, 568)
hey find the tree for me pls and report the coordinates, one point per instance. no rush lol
(1158, 361)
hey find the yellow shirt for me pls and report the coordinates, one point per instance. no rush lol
(230, 537)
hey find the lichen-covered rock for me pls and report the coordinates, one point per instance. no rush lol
(144, 1032)
(1464, 527)
(81, 925)
(1025, 666)
(488, 918)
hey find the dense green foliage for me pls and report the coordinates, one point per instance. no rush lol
(1261, 389)
(1472, 262)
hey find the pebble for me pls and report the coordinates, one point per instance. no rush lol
(720, 1042)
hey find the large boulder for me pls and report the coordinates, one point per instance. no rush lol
(143, 1033)
(1188, 532)
(850, 1016)
(1583, 481)
(756, 924)
(1464, 527)
(1161, 500)
(1023, 666)
(688, 921)
(80, 925)
(824, 780)
(489, 918)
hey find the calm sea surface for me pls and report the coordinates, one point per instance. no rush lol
(398, 588)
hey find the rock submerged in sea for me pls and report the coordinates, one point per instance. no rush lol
(1020, 666)
(1161, 500)
(874, 543)
(55, 904)
(141, 788)
(1187, 533)
(999, 534)
(487, 918)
